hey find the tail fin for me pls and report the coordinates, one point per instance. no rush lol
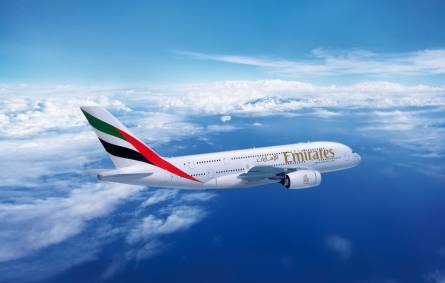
(111, 134)
(123, 147)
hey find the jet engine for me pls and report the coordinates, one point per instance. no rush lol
(301, 179)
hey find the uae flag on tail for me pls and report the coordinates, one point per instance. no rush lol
(123, 147)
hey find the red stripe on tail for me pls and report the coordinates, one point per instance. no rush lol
(155, 159)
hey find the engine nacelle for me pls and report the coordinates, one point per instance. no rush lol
(302, 179)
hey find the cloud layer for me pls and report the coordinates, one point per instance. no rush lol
(263, 97)
(48, 199)
(164, 113)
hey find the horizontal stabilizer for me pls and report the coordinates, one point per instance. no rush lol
(123, 176)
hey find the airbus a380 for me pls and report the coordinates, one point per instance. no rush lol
(295, 166)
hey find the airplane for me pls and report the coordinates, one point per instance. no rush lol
(294, 166)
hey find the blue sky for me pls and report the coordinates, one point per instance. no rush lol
(207, 76)
(117, 42)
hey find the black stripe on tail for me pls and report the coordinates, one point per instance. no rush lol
(123, 152)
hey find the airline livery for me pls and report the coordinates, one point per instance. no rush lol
(295, 166)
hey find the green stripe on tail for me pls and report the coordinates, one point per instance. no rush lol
(102, 126)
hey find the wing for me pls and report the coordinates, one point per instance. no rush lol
(257, 173)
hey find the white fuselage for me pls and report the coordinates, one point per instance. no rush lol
(222, 169)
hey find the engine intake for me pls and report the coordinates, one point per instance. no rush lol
(302, 179)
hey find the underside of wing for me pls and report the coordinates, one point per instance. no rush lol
(257, 173)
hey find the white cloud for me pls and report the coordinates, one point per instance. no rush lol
(179, 218)
(31, 227)
(419, 131)
(163, 107)
(323, 113)
(159, 196)
(30, 159)
(323, 62)
(148, 250)
(45, 133)
(48, 134)
(271, 97)
(221, 128)
(23, 116)
(158, 115)
(159, 128)
(145, 237)
(257, 124)
(394, 120)
(226, 118)
(200, 196)
(339, 245)
(28, 227)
